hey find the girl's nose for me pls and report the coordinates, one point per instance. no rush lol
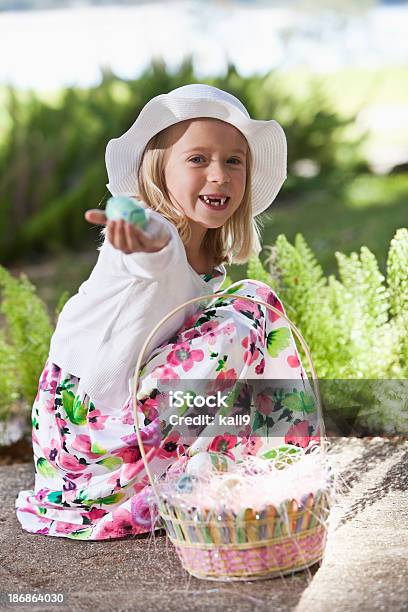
(217, 173)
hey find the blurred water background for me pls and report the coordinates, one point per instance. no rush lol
(50, 48)
(56, 47)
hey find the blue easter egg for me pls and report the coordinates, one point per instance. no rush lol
(122, 207)
(186, 483)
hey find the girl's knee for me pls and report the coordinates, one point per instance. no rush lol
(249, 287)
(249, 284)
(270, 306)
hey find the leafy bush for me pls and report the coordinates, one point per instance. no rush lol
(54, 150)
(24, 342)
(354, 326)
(8, 378)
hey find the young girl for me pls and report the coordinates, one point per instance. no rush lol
(203, 170)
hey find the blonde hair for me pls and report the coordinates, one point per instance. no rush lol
(234, 242)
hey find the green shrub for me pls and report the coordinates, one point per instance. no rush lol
(8, 378)
(355, 326)
(24, 343)
(53, 150)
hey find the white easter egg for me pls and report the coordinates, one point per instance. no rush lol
(228, 484)
(199, 465)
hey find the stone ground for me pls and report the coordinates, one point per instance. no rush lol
(365, 568)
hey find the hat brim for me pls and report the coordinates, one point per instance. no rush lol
(266, 139)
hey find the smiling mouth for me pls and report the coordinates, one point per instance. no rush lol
(215, 203)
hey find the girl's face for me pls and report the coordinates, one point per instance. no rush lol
(205, 170)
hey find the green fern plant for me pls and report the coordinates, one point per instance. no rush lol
(256, 271)
(397, 277)
(355, 326)
(24, 343)
(8, 378)
(300, 282)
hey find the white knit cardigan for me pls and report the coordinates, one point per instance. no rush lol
(102, 328)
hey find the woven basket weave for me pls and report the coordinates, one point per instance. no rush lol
(253, 545)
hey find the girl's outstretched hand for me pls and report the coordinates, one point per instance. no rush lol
(130, 238)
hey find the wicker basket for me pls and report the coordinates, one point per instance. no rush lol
(254, 546)
(274, 542)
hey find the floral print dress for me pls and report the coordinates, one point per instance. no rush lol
(90, 480)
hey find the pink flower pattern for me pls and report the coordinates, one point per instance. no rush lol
(299, 435)
(184, 356)
(91, 481)
(267, 295)
(252, 352)
(96, 419)
(165, 373)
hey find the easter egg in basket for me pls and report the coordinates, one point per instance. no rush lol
(186, 483)
(228, 484)
(122, 207)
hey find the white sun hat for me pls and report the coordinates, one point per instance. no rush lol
(266, 139)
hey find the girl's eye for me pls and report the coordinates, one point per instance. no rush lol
(199, 157)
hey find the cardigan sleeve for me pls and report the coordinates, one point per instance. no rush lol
(148, 265)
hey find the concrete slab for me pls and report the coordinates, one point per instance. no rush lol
(138, 573)
(365, 567)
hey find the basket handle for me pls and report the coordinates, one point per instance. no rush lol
(192, 301)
